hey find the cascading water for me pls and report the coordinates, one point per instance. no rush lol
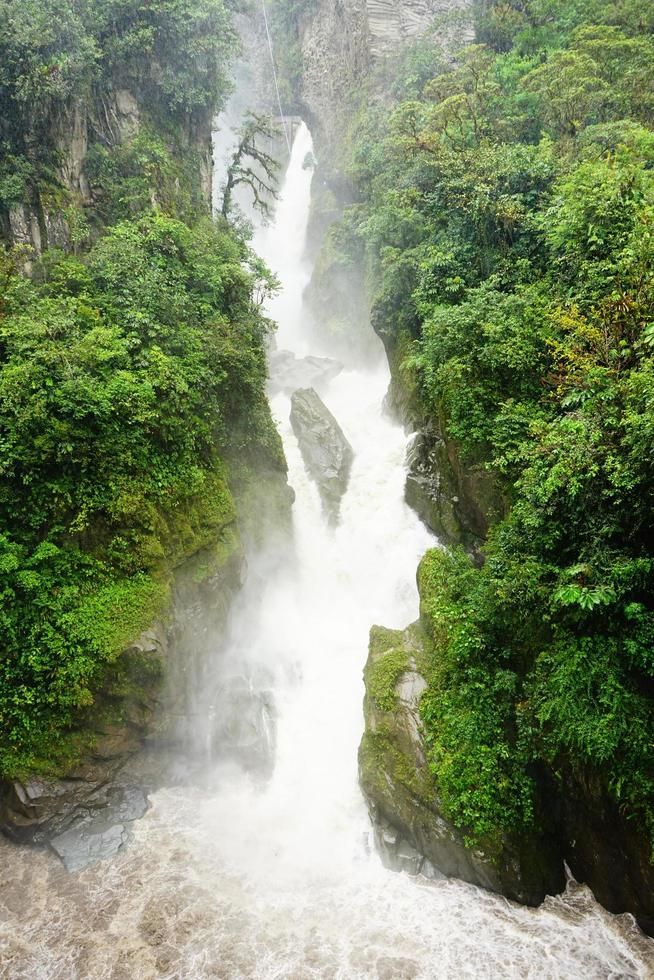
(275, 877)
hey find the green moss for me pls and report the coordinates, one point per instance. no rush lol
(196, 522)
(381, 760)
(381, 674)
(55, 759)
(383, 639)
(114, 615)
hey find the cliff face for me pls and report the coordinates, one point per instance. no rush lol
(390, 22)
(332, 52)
(103, 121)
(344, 47)
(412, 830)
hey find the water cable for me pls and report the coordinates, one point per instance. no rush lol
(274, 72)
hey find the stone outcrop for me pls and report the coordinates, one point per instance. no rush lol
(458, 503)
(326, 452)
(582, 827)
(411, 830)
(105, 120)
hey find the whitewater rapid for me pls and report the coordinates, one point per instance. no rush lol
(241, 877)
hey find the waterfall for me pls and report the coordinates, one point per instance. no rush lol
(273, 876)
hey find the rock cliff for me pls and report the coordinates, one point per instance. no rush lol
(105, 120)
(412, 831)
(575, 824)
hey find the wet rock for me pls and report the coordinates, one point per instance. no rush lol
(100, 835)
(288, 372)
(326, 452)
(457, 503)
(411, 831)
(81, 846)
(397, 853)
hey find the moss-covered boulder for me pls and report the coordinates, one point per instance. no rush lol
(413, 832)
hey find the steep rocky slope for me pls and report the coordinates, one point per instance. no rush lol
(112, 274)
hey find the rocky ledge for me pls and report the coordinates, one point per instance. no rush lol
(412, 832)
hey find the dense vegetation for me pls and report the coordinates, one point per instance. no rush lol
(131, 362)
(507, 225)
(173, 55)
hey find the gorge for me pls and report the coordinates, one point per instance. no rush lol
(277, 570)
(232, 876)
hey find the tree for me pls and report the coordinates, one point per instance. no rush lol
(253, 166)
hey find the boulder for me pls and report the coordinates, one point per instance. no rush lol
(288, 372)
(101, 834)
(412, 832)
(326, 452)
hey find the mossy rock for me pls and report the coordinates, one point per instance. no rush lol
(401, 788)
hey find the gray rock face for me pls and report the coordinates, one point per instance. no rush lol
(288, 372)
(326, 452)
(390, 22)
(458, 503)
(102, 834)
(84, 818)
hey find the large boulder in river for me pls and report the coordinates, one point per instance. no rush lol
(412, 832)
(288, 372)
(326, 452)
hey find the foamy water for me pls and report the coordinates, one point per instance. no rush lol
(239, 877)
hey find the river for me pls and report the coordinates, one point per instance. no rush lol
(242, 875)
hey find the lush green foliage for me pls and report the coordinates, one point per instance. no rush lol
(122, 376)
(173, 55)
(506, 219)
(129, 370)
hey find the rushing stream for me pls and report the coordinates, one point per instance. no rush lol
(241, 876)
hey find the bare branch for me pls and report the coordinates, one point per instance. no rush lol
(261, 181)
